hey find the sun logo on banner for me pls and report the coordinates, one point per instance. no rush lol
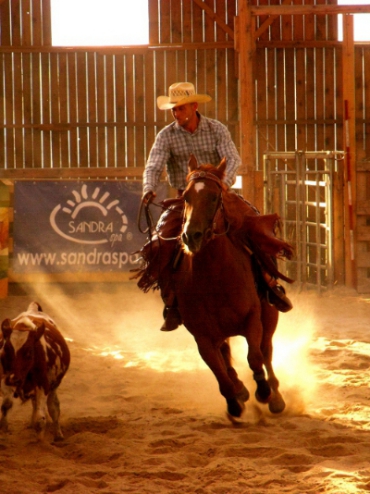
(87, 216)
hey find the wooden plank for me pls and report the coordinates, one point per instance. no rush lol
(15, 12)
(5, 31)
(45, 108)
(301, 103)
(73, 117)
(153, 21)
(26, 17)
(18, 108)
(350, 156)
(165, 22)
(37, 146)
(319, 99)
(120, 111)
(70, 173)
(91, 108)
(63, 101)
(214, 17)
(81, 92)
(246, 75)
(130, 110)
(309, 10)
(3, 149)
(46, 24)
(110, 116)
(139, 104)
(101, 109)
(55, 110)
(27, 112)
(338, 221)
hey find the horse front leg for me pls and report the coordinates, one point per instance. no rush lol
(213, 357)
(242, 392)
(269, 319)
(255, 357)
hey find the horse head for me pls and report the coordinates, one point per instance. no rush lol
(203, 198)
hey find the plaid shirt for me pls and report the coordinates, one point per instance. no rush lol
(174, 145)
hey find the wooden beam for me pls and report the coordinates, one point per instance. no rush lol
(277, 10)
(268, 22)
(349, 139)
(106, 50)
(215, 17)
(247, 109)
(70, 173)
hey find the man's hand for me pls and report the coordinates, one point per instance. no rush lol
(148, 197)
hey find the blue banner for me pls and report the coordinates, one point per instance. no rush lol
(63, 227)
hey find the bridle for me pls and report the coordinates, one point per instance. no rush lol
(201, 175)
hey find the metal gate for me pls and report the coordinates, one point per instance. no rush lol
(299, 187)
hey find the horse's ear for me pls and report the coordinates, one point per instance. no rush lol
(192, 163)
(222, 166)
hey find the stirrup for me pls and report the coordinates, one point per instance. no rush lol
(276, 296)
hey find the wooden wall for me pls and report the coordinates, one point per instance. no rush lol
(92, 111)
(96, 108)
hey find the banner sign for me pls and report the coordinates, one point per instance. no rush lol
(91, 226)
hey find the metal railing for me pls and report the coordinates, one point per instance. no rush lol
(299, 187)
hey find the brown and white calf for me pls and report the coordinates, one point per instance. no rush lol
(34, 358)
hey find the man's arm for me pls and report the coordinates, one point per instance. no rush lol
(158, 157)
(226, 148)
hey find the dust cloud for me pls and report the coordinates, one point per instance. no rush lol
(141, 413)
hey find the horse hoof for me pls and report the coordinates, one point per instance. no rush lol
(276, 404)
(263, 393)
(243, 395)
(235, 407)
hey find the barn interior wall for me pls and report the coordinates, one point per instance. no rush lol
(96, 107)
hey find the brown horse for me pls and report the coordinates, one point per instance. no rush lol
(216, 290)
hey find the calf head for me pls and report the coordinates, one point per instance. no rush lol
(18, 352)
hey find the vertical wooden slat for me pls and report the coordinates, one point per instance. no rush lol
(139, 106)
(72, 96)
(350, 143)
(63, 109)
(28, 101)
(37, 111)
(6, 24)
(46, 22)
(120, 109)
(55, 110)
(18, 109)
(46, 112)
(153, 22)
(101, 107)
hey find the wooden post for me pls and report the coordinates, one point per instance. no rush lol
(247, 50)
(349, 139)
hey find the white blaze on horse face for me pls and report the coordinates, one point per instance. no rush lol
(199, 186)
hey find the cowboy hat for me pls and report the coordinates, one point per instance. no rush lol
(181, 93)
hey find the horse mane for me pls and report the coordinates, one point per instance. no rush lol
(248, 227)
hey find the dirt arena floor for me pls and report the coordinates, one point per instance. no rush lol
(142, 414)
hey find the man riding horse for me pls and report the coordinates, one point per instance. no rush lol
(208, 141)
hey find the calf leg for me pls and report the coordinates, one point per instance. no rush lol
(39, 413)
(5, 406)
(54, 412)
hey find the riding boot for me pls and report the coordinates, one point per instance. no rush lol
(276, 294)
(171, 314)
(172, 319)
